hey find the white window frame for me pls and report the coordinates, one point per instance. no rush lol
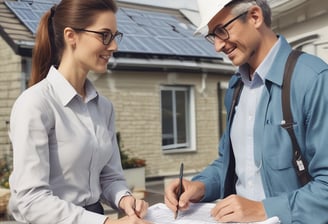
(191, 124)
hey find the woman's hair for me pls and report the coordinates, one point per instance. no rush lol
(240, 6)
(49, 41)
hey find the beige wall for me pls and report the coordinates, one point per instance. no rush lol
(318, 26)
(10, 87)
(136, 98)
(301, 22)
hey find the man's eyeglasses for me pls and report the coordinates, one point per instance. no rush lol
(107, 36)
(221, 32)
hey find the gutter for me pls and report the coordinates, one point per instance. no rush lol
(214, 66)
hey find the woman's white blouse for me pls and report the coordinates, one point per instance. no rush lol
(65, 153)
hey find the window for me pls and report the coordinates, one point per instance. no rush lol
(178, 124)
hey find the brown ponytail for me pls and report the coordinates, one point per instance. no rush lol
(49, 41)
(42, 56)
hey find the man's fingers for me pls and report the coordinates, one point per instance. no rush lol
(170, 197)
(184, 200)
(170, 202)
(220, 211)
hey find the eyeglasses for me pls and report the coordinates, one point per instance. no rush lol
(221, 32)
(107, 36)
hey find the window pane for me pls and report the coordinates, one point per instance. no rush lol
(175, 117)
(181, 103)
(167, 117)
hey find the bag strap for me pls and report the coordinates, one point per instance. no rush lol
(235, 98)
(299, 162)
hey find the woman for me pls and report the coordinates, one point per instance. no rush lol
(66, 156)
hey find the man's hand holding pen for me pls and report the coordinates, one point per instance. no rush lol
(192, 191)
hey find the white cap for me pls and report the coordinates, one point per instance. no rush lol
(207, 10)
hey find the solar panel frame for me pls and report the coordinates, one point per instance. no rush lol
(40, 1)
(145, 32)
(161, 30)
(24, 13)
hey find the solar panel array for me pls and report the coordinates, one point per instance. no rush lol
(29, 13)
(145, 32)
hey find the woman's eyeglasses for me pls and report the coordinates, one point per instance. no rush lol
(221, 31)
(107, 36)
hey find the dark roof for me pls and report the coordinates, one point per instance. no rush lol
(147, 33)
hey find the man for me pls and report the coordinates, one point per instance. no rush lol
(254, 175)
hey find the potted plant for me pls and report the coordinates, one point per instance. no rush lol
(133, 167)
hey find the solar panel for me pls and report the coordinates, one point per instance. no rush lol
(160, 33)
(145, 32)
(40, 1)
(29, 14)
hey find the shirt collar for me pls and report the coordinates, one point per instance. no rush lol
(263, 69)
(65, 90)
(90, 90)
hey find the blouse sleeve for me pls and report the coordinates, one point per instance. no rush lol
(32, 200)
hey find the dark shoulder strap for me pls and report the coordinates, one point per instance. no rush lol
(289, 69)
(231, 178)
(235, 98)
(299, 162)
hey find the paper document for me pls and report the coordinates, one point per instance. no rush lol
(198, 213)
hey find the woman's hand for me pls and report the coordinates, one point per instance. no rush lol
(133, 207)
(127, 220)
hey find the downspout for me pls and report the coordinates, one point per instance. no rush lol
(25, 73)
(203, 84)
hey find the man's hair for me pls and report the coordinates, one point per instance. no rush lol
(240, 6)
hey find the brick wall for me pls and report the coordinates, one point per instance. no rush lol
(10, 74)
(136, 98)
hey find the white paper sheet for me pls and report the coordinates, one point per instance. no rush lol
(198, 213)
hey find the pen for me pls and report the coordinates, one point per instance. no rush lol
(134, 208)
(179, 190)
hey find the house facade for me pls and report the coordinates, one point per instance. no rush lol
(304, 24)
(166, 86)
(167, 90)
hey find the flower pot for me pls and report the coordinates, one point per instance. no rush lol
(135, 178)
(4, 199)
